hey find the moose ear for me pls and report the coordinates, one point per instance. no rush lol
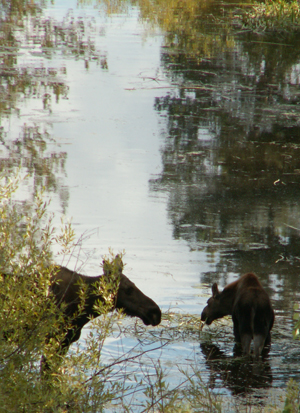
(116, 265)
(107, 267)
(215, 289)
(119, 263)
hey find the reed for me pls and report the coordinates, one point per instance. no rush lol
(271, 16)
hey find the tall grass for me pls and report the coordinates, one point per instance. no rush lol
(271, 15)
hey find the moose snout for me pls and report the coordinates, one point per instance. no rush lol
(153, 317)
(156, 317)
(204, 315)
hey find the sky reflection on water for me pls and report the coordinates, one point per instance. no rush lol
(189, 164)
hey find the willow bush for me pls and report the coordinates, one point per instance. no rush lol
(31, 325)
(29, 316)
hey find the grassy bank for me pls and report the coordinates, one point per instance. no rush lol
(269, 16)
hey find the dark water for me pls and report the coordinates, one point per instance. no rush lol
(231, 173)
(178, 140)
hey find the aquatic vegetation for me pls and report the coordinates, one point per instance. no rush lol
(271, 15)
(292, 401)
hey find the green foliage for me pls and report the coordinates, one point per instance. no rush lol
(32, 326)
(28, 315)
(272, 15)
(296, 317)
(292, 401)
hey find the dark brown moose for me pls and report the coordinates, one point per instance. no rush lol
(250, 307)
(129, 298)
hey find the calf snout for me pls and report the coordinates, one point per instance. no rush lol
(204, 315)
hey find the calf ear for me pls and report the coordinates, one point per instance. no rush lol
(215, 289)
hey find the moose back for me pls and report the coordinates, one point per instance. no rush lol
(251, 310)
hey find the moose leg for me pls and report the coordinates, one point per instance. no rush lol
(243, 323)
(261, 334)
(246, 342)
(268, 338)
(236, 330)
(259, 342)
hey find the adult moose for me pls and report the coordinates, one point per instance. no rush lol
(66, 286)
(249, 305)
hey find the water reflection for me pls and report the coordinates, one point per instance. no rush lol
(27, 37)
(230, 156)
(236, 374)
(230, 148)
(231, 170)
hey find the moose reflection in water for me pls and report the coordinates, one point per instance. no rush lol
(250, 307)
(66, 290)
(239, 377)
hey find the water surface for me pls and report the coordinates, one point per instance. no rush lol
(176, 142)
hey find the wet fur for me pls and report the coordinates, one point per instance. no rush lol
(251, 310)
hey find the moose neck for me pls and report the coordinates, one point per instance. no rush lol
(66, 288)
(227, 297)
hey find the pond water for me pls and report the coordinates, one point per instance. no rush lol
(177, 141)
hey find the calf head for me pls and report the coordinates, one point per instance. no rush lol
(215, 308)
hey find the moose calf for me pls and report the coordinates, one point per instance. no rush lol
(251, 310)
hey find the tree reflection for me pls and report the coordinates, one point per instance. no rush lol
(194, 29)
(29, 151)
(25, 30)
(231, 149)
